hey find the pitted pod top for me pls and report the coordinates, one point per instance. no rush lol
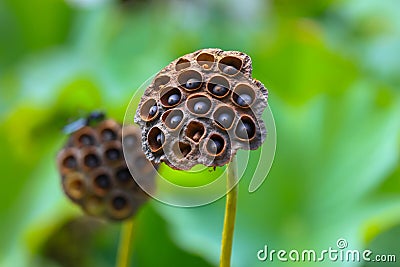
(94, 172)
(202, 108)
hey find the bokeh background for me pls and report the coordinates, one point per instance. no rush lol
(333, 73)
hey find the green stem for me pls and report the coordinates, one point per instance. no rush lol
(125, 244)
(230, 214)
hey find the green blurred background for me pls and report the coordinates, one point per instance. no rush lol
(333, 73)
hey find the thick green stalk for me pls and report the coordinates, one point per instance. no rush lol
(230, 214)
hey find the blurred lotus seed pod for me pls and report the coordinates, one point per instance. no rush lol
(94, 170)
(202, 108)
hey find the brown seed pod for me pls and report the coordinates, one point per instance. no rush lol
(94, 172)
(218, 105)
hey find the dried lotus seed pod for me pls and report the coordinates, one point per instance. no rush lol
(208, 107)
(94, 172)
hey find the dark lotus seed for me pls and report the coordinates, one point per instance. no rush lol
(175, 120)
(160, 138)
(92, 161)
(173, 99)
(86, 140)
(70, 162)
(244, 100)
(113, 154)
(225, 119)
(103, 181)
(119, 203)
(245, 130)
(219, 90)
(214, 146)
(200, 107)
(192, 83)
(153, 111)
(108, 135)
(230, 70)
(123, 175)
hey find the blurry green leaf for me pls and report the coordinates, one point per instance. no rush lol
(297, 66)
(30, 26)
(153, 246)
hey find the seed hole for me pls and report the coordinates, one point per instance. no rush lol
(215, 145)
(230, 65)
(182, 63)
(161, 81)
(113, 154)
(149, 110)
(172, 118)
(92, 161)
(108, 135)
(123, 175)
(199, 104)
(243, 95)
(190, 80)
(195, 131)
(156, 139)
(170, 97)
(86, 140)
(70, 162)
(74, 186)
(119, 202)
(205, 60)
(224, 117)
(184, 148)
(245, 128)
(103, 181)
(218, 86)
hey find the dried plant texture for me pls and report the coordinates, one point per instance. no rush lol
(202, 108)
(94, 172)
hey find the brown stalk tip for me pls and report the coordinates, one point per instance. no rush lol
(211, 107)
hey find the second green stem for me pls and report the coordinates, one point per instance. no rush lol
(230, 215)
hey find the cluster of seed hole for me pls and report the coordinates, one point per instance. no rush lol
(95, 174)
(202, 108)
